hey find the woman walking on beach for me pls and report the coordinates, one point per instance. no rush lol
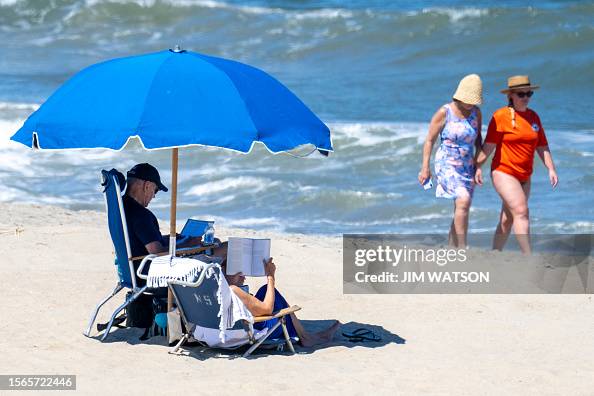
(515, 133)
(459, 125)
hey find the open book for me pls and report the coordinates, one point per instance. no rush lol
(246, 255)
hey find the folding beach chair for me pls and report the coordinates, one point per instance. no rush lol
(198, 306)
(113, 183)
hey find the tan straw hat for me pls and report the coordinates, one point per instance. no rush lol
(518, 82)
(470, 90)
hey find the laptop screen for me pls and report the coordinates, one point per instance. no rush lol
(195, 228)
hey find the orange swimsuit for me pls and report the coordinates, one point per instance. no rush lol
(514, 154)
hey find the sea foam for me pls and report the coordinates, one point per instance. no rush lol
(253, 184)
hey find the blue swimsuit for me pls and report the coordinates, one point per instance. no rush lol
(279, 303)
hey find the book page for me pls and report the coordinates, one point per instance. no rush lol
(260, 252)
(239, 256)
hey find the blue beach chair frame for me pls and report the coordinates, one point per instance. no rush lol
(198, 306)
(118, 229)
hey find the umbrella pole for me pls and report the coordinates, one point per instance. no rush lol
(172, 214)
(172, 221)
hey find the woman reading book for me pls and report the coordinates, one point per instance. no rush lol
(268, 300)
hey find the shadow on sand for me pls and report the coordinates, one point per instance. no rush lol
(194, 350)
(385, 336)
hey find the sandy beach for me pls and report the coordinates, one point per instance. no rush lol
(251, 95)
(57, 265)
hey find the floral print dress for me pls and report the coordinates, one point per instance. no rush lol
(454, 161)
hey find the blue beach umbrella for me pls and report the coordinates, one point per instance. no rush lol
(173, 99)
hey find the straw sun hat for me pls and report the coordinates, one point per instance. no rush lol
(470, 90)
(518, 82)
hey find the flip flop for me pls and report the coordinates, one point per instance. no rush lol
(361, 335)
(116, 322)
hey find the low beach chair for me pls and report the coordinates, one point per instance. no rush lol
(113, 183)
(198, 306)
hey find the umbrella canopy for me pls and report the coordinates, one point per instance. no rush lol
(173, 98)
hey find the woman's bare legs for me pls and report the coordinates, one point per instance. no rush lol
(503, 229)
(310, 339)
(452, 237)
(460, 223)
(514, 211)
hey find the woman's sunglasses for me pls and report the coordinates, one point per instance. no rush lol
(525, 94)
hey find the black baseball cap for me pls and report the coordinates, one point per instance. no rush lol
(147, 172)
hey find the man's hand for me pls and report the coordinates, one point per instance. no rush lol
(269, 267)
(191, 242)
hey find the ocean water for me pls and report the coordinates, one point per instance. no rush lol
(374, 71)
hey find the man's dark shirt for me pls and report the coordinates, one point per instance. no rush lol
(143, 228)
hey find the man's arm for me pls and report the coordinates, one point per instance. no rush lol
(155, 247)
(191, 242)
(146, 228)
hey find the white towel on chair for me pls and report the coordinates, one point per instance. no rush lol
(233, 308)
(166, 268)
(232, 311)
(233, 338)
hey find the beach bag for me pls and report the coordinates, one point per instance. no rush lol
(160, 313)
(158, 323)
(139, 313)
(175, 326)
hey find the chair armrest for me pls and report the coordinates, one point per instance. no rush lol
(278, 314)
(181, 251)
(147, 258)
(151, 257)
(196, 283)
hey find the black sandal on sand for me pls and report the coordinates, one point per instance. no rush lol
(116, 322)
(361, 335)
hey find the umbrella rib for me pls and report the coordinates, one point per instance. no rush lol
(147, 95)
(204, 58)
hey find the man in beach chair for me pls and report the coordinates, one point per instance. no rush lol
(113, 182)
(144, 182)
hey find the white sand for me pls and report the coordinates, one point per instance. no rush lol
(60, 265)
